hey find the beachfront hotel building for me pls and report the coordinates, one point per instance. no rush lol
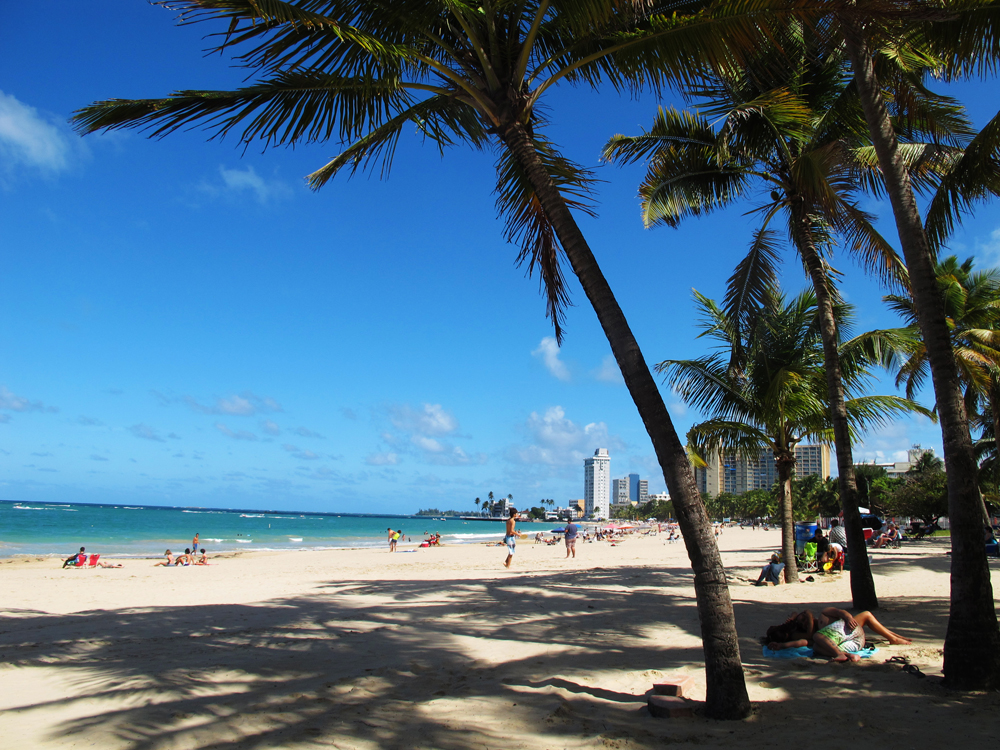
(737, 474)
(597, 485)
(619, 491)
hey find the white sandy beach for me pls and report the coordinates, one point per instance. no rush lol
(443, 648)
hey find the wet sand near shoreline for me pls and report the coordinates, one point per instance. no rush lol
(443, 648)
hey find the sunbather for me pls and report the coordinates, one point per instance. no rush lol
(76, 560)
(203, 560)
(834, 632)
(168, 561)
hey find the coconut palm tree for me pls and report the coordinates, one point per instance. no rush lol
(965, 38)
(972, 305)
(775, 396)
(790, 123)
(359, 72)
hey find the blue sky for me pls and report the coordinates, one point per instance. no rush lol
(183, 323)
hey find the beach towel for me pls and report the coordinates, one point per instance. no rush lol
(807, 652)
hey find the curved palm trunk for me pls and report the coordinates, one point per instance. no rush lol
(785, 463)
(726, 689)
(972, 643)
(862, 584)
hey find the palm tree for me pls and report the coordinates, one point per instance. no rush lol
(776, 396)
(796, 131)
(359, 72)
(972, 307)
(966, 41)
(477, 505)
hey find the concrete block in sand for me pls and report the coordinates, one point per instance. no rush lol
(675, 686)
(669, 707)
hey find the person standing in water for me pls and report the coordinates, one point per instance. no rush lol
(510, 537)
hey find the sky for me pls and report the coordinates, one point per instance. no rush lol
(186, 323)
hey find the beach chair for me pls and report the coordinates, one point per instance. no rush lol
(93, 561)
(807, 561)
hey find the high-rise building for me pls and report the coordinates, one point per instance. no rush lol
(597, 485)
(736, 474)
(633, 487)
(643, 491)
(619, 491)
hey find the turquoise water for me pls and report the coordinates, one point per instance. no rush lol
(144, 531)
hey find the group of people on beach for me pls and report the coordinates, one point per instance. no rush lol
(79, 560)
(190, 556)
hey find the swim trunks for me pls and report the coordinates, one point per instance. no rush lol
(510, 540)
(836, 633)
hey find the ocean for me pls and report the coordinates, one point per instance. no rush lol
(60, 529)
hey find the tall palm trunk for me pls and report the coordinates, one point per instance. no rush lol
(784, 460)
(862, 584)
(972, 643)
(726, 689)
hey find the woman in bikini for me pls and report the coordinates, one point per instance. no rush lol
(835, 633)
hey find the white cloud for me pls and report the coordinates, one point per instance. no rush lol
(431, 419)
(13, 402)
(382, 459)
(427, 444)
(307, 433)
(988, 251)
(239, 182)
(298, 453)
(548, 352)
(558, 441)
(609, 372)
(28, 139)
(146, 432)
(245, 404)
(270, 427)
(235, 434)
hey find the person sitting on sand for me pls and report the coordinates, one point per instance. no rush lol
(834, 555)
(770, 574)
(835, 633)
(168, 561)
(76, 560)
(203, 560)
(184, 559)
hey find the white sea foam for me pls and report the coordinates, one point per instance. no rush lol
(249, 515)
(244, 541)
(295, 539)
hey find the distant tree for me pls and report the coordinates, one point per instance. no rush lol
(538, 513)
(816, 497)
(923, 493)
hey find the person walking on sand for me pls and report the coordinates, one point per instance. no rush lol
(572, 532)
(194, 542)
(510, 537)
(390, 532)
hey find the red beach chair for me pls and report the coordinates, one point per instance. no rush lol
(93, 561)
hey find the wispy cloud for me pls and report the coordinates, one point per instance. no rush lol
(13, 402)
(95, 457)
(609, 372)
(238, 183)
(245, 404)
(348, 413)
(988, 250)
(88, 421)
(269, 427)
(235, 434)
(307, 433)
(420, 431)
(145, 432)
(430, 419)
(548, 353)
(29, 140)
(299, 453)
(382, 459)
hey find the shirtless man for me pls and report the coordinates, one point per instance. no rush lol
(510, 537)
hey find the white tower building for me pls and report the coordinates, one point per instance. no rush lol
(597, 484)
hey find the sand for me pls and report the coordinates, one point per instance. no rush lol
(443, 648)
